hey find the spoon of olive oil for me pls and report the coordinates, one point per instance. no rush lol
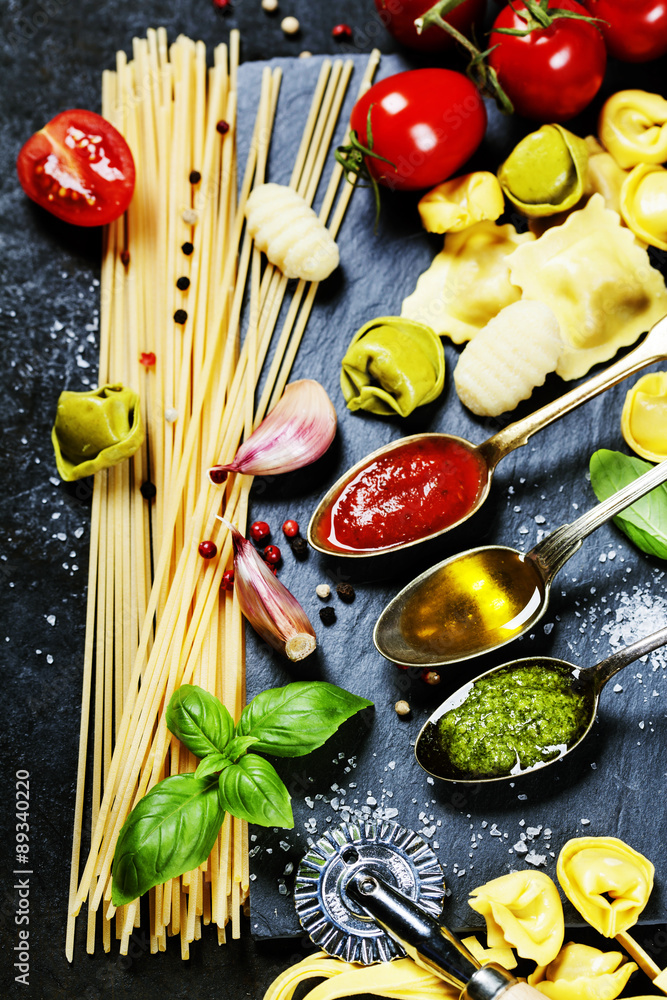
(519, 717)
(481, 599)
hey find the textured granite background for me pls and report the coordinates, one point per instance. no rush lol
(52, 54)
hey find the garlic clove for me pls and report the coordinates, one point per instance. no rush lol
(297, 432)
(271, 609)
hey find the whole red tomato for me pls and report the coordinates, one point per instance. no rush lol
(399, 16)
(79, 168)
(552, 73)
(427, 122)
(633, 30)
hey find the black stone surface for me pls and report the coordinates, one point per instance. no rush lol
(52, 54)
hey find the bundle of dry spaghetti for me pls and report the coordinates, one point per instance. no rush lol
(174, 275)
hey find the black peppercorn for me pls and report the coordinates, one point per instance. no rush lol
(147, 490)
(222, 127)
(346, 592)
(187, 248)
(299, 547)
(328, 615)
(183, 283)
(180, 316)
(195, 177)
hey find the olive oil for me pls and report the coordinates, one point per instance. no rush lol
(473, 603)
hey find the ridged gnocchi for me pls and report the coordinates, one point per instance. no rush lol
(289, 232)
(514, 353)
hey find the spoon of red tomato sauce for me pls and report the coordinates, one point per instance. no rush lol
(421, 486)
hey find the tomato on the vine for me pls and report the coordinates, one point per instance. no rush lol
(426, 122)
(633, 32)
(551, 73)
(398, 17)
(79, 168)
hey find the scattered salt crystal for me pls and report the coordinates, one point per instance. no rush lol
(535, 859)
(391, 765)
(618, 688)
(78, 532)
(55, 516)
(51, 619)
(284, 845)
(430, 781)
(520, 847)
(585, 822)
(539, 519)
(522, 798)
(49, 658)
(641, 725)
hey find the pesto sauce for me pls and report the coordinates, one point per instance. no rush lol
(511, 720)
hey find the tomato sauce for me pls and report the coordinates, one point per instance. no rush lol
(413, 491)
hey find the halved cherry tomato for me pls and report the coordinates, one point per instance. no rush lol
(633, 30)
(552, 73)
(427, 122)
(399, 16)
(78, 167)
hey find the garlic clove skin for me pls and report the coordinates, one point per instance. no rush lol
(297, 432)
(271, 609)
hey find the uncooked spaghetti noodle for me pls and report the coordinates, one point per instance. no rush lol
(175, 273)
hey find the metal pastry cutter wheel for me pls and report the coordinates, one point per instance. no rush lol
(371, 892)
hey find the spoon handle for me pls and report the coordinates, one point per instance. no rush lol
(652, 348)
(552, 552)
(607, 668)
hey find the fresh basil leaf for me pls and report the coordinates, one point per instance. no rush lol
(199, 720)
(170, 831)
(252, 790)
(212, 764)
(293, 720)
(645, 522)
(238, 746)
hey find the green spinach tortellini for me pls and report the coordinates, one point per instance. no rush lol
(95, 430)
(392, 366)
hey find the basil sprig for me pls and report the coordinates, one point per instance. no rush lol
(173, 828)
(645, 522)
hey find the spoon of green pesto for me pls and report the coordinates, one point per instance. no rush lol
(519, 717)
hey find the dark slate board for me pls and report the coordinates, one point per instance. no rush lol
(613, 785)
(53, 53)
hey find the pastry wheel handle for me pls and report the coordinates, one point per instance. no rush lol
(431, 945)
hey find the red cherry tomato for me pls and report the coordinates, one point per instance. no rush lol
(634, 31)
(79, 168)
(552, 73)
(399, 16)
(427, 122)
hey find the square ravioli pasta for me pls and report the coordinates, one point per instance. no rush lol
(597, 280)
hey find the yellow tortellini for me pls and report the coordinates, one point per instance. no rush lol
(392, 366)
(468, 283)
(633, 127)
(599, 283)
(546, 172)
(501, 956)
(95, 430)
(461, 202)
(523, 911)
(644, 417)
(583, 973)
(606, 880)
(643, 202)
